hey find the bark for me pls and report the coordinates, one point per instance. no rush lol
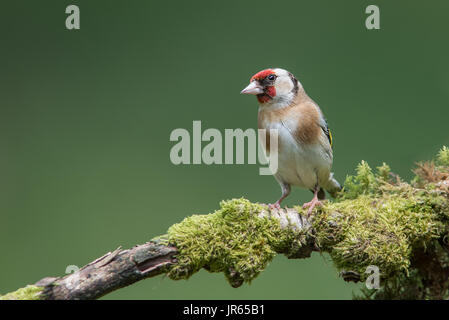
(122, 268)
(110, 272)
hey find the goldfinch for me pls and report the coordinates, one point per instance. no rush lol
(304, 139)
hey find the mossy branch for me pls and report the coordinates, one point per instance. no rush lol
(378, 219)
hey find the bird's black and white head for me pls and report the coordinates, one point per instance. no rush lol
(273, 87)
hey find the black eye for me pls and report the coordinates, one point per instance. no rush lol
(271, 77)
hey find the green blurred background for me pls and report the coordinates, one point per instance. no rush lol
(85, 119)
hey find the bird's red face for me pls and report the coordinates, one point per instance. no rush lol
(262, 85)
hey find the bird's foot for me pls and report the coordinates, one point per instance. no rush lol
(275, 205)
(311, 204)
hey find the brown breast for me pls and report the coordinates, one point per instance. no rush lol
(302, 119)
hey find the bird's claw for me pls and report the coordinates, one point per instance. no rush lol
(275, 205)
(311, 204)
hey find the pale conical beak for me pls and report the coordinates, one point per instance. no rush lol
(253, 88)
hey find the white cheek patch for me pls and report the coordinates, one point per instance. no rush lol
(283, 85)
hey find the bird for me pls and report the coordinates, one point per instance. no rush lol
(305, 154)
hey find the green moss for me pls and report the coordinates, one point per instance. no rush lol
(28, 293)
(375, 222)
(373, 231)
(383, 172)
(363, 182)
(443, 157)
(233, 240)
(402, 228)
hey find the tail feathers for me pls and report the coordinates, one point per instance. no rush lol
(332, 186)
